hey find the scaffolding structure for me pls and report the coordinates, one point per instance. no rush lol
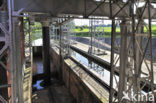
(97, 34)
(131, 56)
(16, 52)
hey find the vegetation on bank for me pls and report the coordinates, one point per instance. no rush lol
(83, 31)
(99, 29)
(36, 30)
(99, 34)
(104, 31)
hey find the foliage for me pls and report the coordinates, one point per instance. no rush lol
(87, 34)
(36, 31)
(83, 31)
(107, 31)
(100, 29)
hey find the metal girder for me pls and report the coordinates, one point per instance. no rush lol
(66, 21)
(12, 51)
(134, 67)
(5, 86)
(94, 10)
(3, 100)
(4, 43)
(131, 56)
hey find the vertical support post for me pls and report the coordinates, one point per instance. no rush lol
(112, 54)
(135, 89)
(45, 51)
(13, 84)
(138, 53)
(91, 34)
(17, 66)
(123, 59)
(29, 44)
(22, 38)
(60, 52)
(112, 61)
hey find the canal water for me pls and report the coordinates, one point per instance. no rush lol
(37, 72)
(107, 40)
(98, 70)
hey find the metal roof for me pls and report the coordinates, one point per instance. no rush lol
(77, 7)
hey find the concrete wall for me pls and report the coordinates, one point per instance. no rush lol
(37, 50)
(72, 81)
(54, 63)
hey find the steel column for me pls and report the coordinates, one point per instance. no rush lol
(123, 59)
(111, 92)
(18, 61)
(60, 52)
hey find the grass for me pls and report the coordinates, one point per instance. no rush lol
(87, 34)
(36, 35)
(153, 30)
(84, 32)
(106, 29)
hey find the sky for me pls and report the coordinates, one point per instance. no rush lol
(80, 22)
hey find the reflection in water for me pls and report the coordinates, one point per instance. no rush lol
(94, 67)
(37, 65)
(37, 85)
(40, 66)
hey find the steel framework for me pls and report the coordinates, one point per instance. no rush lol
(13, 39)
(5, 42)
(130, 57)
(136, 71)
